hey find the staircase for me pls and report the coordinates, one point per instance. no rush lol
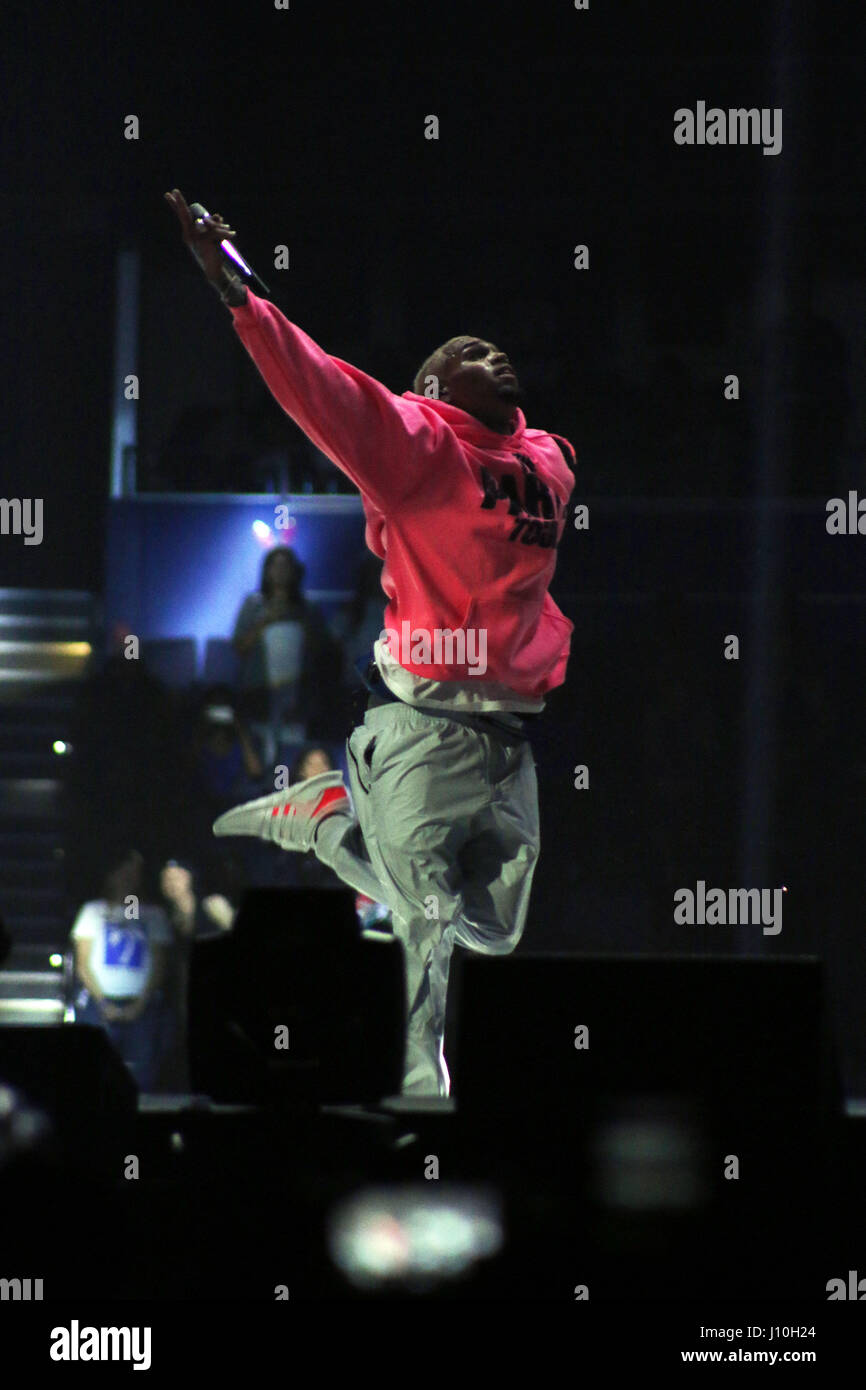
(46, 637)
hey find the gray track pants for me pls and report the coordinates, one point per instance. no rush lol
(446, 835)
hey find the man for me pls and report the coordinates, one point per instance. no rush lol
(466, 506)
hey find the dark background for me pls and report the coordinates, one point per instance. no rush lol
(305, 127)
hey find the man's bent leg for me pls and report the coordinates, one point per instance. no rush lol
(448, 825)
(340, 844)
(498, 862)
(422, 779)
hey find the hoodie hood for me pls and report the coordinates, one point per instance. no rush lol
(467, 428)
(471, 431)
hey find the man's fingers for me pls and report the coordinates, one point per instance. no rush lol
(212, 223)
(178, 202)
(216, 224)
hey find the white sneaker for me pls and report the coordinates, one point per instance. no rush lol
(289, 818)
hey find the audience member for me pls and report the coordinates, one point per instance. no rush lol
(290, 662)
(192, 918)
(226, 755)
(120, 946)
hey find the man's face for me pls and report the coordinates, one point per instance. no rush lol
(478, 378)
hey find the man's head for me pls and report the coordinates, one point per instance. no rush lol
(475, 376)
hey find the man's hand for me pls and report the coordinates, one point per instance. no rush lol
(202, 236)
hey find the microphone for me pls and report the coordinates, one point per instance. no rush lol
(225, 245)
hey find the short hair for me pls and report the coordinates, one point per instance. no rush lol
(432, 365)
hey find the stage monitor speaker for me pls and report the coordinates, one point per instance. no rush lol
(548, 1045)
(296, 1004)
(676, 1122)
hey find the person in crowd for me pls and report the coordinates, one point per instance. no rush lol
(120, 945)
(226, 753)
(192, 918)
(290, 663)
(310, 763)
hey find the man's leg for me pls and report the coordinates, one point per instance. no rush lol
(418, 781)
(497, 865)
(339, 841)
(447, 836)
(498, 862)
(355, 847)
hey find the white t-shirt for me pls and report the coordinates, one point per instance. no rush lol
(121, 959)
(284, 652)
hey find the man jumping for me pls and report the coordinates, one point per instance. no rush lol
(466, 506)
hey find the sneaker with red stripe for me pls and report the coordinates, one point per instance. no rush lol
(289, 818)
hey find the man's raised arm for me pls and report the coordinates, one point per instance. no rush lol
(380, 441)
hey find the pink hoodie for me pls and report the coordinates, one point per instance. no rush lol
(466, 520)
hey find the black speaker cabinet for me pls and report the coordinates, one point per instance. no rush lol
(663, 1127)
(549, 1044)
(296, 1004)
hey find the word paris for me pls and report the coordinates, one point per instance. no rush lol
(734, 908)
(736, 126)
(443, 647)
